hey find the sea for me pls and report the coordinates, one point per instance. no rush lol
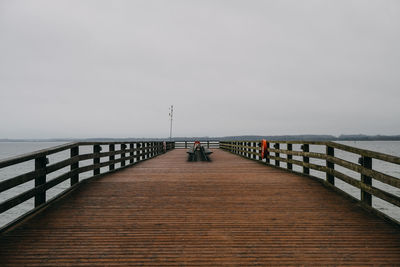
(10, 149)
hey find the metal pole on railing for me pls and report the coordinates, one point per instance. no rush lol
(171, 115)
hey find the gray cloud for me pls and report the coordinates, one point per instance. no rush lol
(112, 68)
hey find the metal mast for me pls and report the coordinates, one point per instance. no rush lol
(171, 115)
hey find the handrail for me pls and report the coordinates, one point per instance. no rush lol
(206, 143)
(273, 151)
(37, 154)
(124, 153)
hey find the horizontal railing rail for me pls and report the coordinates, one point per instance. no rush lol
(122, 153)
(328, 159)
(188, 144)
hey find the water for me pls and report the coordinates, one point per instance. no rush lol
(18, 148)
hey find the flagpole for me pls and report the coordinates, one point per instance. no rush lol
(171, 115)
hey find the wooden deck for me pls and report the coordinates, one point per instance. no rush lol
(232, 211)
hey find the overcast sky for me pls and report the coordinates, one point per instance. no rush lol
(113, 68)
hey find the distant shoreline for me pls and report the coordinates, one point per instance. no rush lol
(224, 138)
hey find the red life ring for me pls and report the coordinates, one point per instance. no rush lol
(263, 148)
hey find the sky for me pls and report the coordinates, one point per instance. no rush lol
(86, 69)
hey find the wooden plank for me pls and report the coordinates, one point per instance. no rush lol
(75, 164)
(289, 156)
(138, 145)
(20, 179)
(242, 146)
(384, 178)
(306, 148)
(123, 148)
(96, 159)
(231, 212)
(390, 180)
(366, 153)
(37, 154)
(14, 201)
(111, 158)
(277, 162)
(45, 152)
(40, 164)
(64, 163)
(330, 151)
(131, 153)
(299, 153)
(301, 163)
(366, 197)
(287, 142)
(393, 199)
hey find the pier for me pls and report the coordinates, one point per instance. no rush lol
(150, 206)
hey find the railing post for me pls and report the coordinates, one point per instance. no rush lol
(306, 148)
(208, 144)
(259, 151)
(123, 147)
(138, 152)
(330, 151)
(254, 150)
(40, 165)
(289, 157)
(366, 197)
(131, 153)
(249, 150)
(277, 154)
(74, 166)
(111, 148)
(157, 148)
(185, 144)
(267, 160)
(96, 159)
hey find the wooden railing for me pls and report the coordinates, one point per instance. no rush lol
(122, 154)
(277, 156)
(188, 144)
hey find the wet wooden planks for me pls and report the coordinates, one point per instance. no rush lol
(231, 211)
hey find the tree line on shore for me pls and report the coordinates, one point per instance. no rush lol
(310, 137)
